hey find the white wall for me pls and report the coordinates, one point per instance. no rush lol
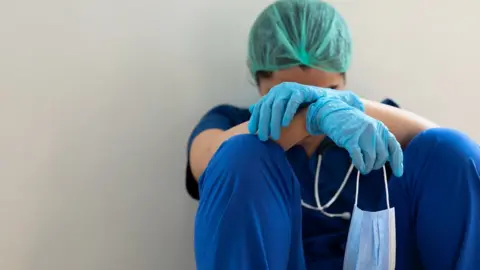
(97, 98)
(425, 54)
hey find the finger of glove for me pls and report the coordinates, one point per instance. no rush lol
(396, 155)
(369, 155)
(250, 109)
(382, 153)
(351, 99)
(278, 111)
(381, 146)
(296, 99)
(254, 118)
(357, 157)
(367, 142)
(312, 93)
(265, 118)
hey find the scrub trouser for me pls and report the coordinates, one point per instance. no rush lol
(250, 216)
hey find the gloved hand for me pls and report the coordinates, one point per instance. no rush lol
(279, 106)
(367, 140)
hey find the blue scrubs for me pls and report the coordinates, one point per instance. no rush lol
(250, 216)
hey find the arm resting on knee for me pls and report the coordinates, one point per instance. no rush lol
(403, 124)
(206, 143)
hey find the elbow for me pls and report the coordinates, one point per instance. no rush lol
(418, 128)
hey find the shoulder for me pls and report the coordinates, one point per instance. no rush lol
(222, 117)
(233, 113)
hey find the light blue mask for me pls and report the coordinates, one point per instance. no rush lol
(371, 239)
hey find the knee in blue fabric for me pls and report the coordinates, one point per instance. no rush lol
(440, 160)
(438, 149)
(249, 212)
(438, 202)
(246, 158)
(445, 142)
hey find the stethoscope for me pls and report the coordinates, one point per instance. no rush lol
(320, 207)
(327, 143)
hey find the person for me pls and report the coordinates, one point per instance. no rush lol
(265, 173)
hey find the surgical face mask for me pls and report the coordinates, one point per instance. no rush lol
(319, 206)
(371, 242)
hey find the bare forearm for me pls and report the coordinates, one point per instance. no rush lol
(403, 124)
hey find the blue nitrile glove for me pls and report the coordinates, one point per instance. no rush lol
(279, 106)
(368, 140)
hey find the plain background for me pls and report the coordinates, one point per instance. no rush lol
(97, 99)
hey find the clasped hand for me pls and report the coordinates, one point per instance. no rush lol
(336, 114)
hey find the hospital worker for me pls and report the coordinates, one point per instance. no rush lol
(315, 177)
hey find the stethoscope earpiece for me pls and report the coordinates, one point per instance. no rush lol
(346, 215)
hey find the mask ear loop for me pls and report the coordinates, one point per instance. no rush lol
(386, 187)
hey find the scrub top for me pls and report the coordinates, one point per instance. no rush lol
(322, 236)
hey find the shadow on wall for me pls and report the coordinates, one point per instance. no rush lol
(220, 39)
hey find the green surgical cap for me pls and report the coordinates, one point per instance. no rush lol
(299, 32)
